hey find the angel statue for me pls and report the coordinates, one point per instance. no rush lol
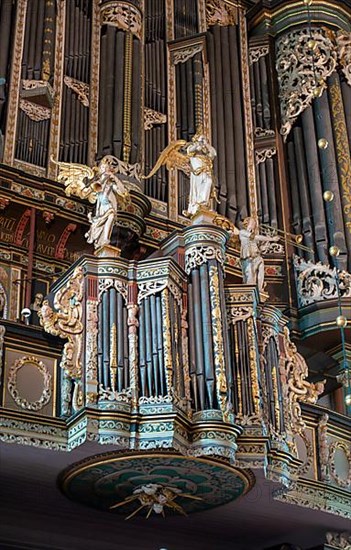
(250, 254)
(99, 185)
(195, 159)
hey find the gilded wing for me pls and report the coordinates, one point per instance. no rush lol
(172, 157)
(72, 175)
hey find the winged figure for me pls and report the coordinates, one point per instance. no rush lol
(195, 159)
(99, 185)
(74, 177)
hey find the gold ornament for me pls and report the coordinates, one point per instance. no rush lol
(348, 399)
(317, 92)
(312, 44)
(334, 251)
(307, 2)
(328, 196)
(341, 321)
(323, 143)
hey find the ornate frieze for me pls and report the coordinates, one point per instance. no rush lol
(21, 401)
(317, 282)
(198, 255)
(256, 53)
(2, 338)
(263, 132)
(152, 118)
(122, 15)
(80, 88)
(220, 12)
(301, 71)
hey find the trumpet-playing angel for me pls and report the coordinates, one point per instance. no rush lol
(100, 185)
(195, 159)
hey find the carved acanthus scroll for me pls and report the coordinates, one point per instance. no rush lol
(296, 389)
(301, 71)
(124, 16)
(343, 42)
(80, 88)
(256, 53)
(219, 12)
(182, 55)
(152, 117)
(33, 111)
(65, 321)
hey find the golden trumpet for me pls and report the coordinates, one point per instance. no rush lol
(290, 238)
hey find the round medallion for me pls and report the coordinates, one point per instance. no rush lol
(146, 484)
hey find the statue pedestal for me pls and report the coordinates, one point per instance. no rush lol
(108, 251)
(203, 217)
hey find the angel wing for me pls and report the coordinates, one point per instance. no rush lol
(72, 175)
(172, 157)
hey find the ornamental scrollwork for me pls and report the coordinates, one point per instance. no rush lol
(13, 389)
(263, 132)
(218, 12)
(296, 389)
(198, 255)
(237, 313)
(152, 117)
(33, 111)
(120, 286)
(256, 53)
(345, 448)
(343, 42)
(124, 16)
(342, 541)
(262, 155)
(184, 54)
(316, 282)
(301, 71)
(65, 321)
(80, 88)
(2, 338)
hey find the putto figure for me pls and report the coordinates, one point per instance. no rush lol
(250, 254)
(195, 159)
(99, 185)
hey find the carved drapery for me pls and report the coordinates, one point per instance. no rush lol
(301, 71)
(66, 322)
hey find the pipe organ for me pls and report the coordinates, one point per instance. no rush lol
(193, 137)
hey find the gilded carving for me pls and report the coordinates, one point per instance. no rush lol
(250, 159)
(152, 118)
(263, 132)
(133, 324)
(316, 282)
(94, 82)
(301, 71)
(218, 345)
(2, 338)
(343, 43)
(124, 16)
(66, 322)
(33, 111)
(220, 12)
(91, 345)
(342, 149)
(182, 55)
(198, 255)
(296, 389)
(80, 88)
(167, 341)
(323, 446)
(13, 389)
(334, 473)
(342, 541)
